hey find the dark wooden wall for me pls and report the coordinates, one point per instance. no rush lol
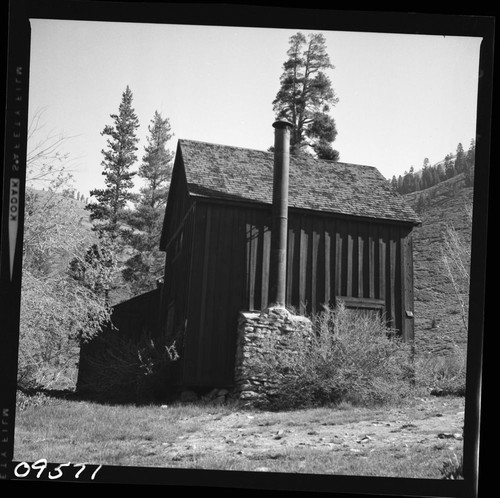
(217, 294)
(365, 263)
(176, 241)
(223, 267)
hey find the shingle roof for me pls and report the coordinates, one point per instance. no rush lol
(226, 172)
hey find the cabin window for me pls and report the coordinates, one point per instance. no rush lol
(365, 306)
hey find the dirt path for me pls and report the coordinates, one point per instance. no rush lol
(260, 435)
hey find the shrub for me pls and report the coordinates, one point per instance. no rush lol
(349, 357)
(455, 257)
(55, 312)
(442, 375)
(453, 468)
(118, 368)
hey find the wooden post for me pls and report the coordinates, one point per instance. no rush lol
(280, 213)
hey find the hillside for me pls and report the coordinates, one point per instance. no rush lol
(438, 324)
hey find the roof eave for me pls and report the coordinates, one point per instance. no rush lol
(266, 205)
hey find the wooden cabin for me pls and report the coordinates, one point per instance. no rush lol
(349, 236)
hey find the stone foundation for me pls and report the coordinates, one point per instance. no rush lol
(256, 331)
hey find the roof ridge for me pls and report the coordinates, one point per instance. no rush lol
(204, 142)
(306, 158)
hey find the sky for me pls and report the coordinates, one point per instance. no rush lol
(402, 97)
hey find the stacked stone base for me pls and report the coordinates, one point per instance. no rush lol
(256, 331)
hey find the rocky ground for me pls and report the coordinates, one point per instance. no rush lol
(432, 422)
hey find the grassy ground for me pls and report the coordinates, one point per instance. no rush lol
(413, 440)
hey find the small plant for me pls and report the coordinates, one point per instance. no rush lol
(453, 468)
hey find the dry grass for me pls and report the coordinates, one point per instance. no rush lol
(318, 440)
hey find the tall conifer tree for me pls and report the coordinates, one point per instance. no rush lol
(470, 161)
(449, 167)
(119, 157)
(306, 96)
(146, 265)
(460, 159)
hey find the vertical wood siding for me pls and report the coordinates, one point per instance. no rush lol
(175, 292)
(218, 287)
(178, 247)
(228, 258)
(333, 258)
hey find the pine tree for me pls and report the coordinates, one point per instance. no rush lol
(306, 95)
(411, 180)
(434, 175)
(426, 174)
(406, 183)
(400, 184)
(417, 182)
(470, 160)
(449, 167)
(394, 183)
(118, 160)
(460, 159)
(471, 153)
(146, 264)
